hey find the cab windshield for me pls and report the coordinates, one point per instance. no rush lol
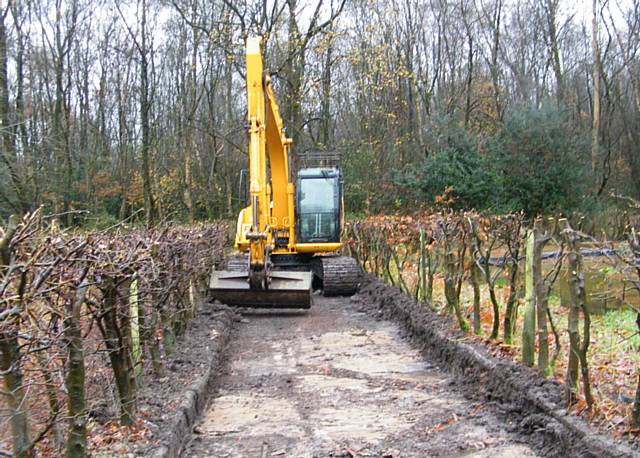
(317, 210)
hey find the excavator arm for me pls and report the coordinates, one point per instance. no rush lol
(270, 214)
(268, 223)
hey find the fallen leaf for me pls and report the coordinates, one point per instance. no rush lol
(617, 420)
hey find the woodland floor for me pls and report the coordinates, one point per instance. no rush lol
(334, 381)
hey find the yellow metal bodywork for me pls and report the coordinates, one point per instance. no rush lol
(272, 193)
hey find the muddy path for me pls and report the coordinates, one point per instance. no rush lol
(335, 382)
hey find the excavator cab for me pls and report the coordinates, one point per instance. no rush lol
(319, 205)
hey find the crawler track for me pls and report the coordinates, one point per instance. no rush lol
(340, 275)
(335, 382)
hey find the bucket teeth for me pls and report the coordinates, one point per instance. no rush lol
(286, 290)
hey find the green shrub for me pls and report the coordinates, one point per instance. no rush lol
(452, 165)
(536, 163)
(540, 161)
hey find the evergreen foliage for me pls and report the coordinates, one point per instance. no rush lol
(535, 162)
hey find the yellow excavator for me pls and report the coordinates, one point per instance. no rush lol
(288, 235)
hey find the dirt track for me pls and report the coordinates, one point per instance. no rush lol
(335, 382)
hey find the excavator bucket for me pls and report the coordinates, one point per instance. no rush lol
(287, 290)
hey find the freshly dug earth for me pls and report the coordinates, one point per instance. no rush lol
(334, 381)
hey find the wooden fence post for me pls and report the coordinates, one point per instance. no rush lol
(134, 308)
(529, 328)
(422, 270)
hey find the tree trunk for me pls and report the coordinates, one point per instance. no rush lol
(540, 294)
(432, 263)
(577, 294)
(554, 47)
(584, 349)
(452, 284)
(61, 108)
(495, 55)
(595, 112)
(14, 393)
(325, 122)
(495, 328)
(512, 301)
(149, 338)
(11, 364)
(117, 342)
(179, 318)
(573, 322)
(295, 77)
(151, 212)
(541, 310)
(8, 153)
(51, 390)
(635, 415)
(192, 112)
(467, 108)
(449, 278)
(168, 337)
(22, 122)
(75, 378)
(422, 270)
